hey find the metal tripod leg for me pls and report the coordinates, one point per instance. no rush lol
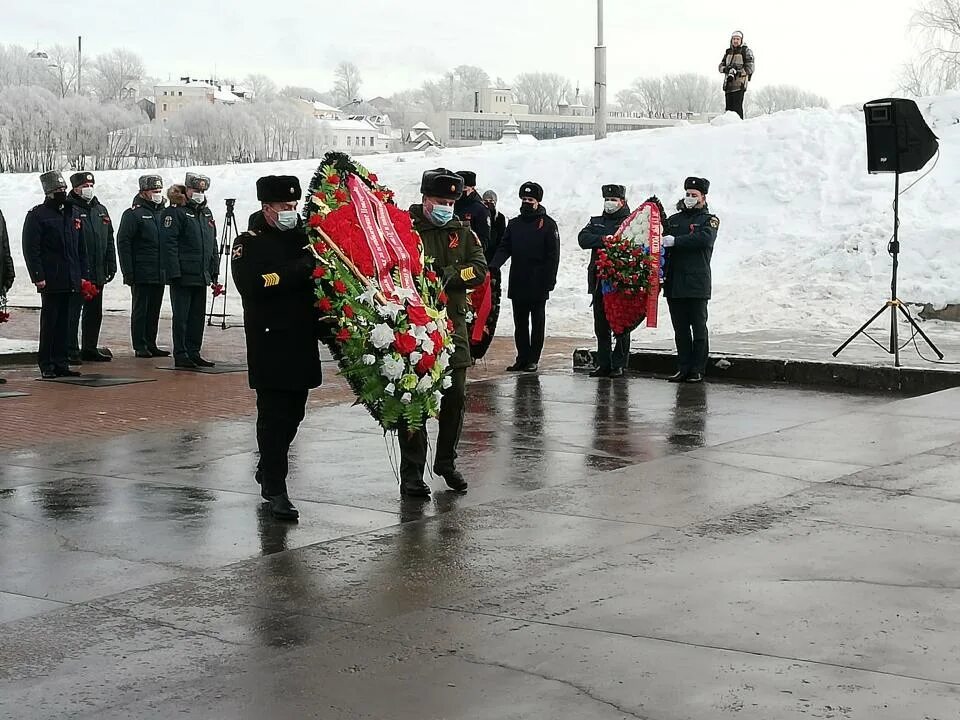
(920, 332)
(863, 327)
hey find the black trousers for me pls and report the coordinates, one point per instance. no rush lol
(613, 351)
(530, 321)
(413, 446)
(86, 317)
(54, 330)
(145, 317)
(189, 315)
(689, 316)
(279, 414)
(735, 102)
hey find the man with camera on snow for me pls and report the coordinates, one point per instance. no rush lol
(737, 68)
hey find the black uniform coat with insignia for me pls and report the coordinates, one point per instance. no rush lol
(592, 236)
(53, 247)
(687, 274)
(532, 243)
(138, 243)
(458, 259)
(280, 319)
(98, 239)
(188, 238)
(471, 210)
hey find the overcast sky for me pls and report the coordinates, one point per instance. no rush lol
(822, 45)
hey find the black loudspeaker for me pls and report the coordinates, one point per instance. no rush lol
(898, 138)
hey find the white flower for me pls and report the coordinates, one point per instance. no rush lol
(431, 326)
(390, 310)
(390, 389)
(406, 399)
(415, 357)
(407, 294)
(428, 346)
(391, 368)
(367, 297)
(443, 360)
(447, 382)
(426, 382)
(368, 359)
(382, 336)
(438, 396)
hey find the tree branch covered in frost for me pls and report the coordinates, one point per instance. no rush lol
(937, 69)
(776, 98)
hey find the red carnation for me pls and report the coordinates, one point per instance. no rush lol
(418, 315)
(341, 195)
(437, 339)
(426, 364)
(404, 343)
(450, 327)
(348, 311)
(315, 220)
(431, 276)
(373, 177)
(333, 179)
(324, 305)
(339, 287)
(442, 298)
(343, 335)
(319, 272)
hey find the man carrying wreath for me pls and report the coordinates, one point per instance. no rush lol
(456, 255)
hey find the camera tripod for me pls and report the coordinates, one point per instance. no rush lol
(227, 236)
(894, 304)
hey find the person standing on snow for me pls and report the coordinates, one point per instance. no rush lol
(498, 223)
(471, 210)
(737, 68)
(688, 238)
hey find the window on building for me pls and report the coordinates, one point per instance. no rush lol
(164, 107)
(180, 93)
(363, 141)
(348, 140)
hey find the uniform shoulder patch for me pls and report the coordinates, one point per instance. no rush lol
(167, 221)
(237, 251)
(714, 222)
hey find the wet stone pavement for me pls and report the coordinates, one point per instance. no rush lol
(628, 549)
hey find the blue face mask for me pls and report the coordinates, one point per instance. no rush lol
(441, 214)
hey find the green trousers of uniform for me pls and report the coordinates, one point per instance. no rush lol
(413, 446)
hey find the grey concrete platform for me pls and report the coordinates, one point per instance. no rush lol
(628, 549)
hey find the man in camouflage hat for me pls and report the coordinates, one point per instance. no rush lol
(458, 259)
(189, 242)
(141, 263)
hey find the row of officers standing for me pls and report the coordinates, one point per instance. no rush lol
(69, 239)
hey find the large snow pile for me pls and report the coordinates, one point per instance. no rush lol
(803, 229)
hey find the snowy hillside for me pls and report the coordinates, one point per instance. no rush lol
(803, 226)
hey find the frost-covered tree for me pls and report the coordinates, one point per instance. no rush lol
(542, 92)
(116, 73)
(776, 98)
(346, 83)
(937, 67)
(672, 94)
(262, 87)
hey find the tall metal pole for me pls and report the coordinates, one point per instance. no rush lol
(895, 251)
(600, 84)
(79, 60)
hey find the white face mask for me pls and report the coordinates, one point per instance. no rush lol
(690, 202)
(156, 197)
(610, 206)
(287, 219)
(86, 193)
(198, 198)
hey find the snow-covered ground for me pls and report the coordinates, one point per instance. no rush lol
(803, 229)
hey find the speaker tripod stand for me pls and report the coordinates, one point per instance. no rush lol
(894, 304)
(227, 236)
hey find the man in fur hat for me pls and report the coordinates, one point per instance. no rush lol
(192, 264)
(273, 271)
(141, 263)
(688, 238)
(458, 259)
(471, 210)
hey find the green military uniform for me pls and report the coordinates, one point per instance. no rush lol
(457, 257)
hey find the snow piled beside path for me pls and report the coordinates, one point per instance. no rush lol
(803, 229)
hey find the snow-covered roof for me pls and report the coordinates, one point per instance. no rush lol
(420, 126)
(225, 96)
(361, 125)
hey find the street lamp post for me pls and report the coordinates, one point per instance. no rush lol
(600, 84)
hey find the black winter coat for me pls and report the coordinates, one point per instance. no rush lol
(281, 322)
(7, 273)
(53, 247)
(687, 273)
(188, 238)
(591, 238)
(498, 228)
(98, 239)
(138, 243)
(532, 243)
(471, 210)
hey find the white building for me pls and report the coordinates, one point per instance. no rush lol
(172, 97)
(355, 137)
(421, 137)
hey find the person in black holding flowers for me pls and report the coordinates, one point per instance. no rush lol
(611, 358)
(273, 272)
(532, 244)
